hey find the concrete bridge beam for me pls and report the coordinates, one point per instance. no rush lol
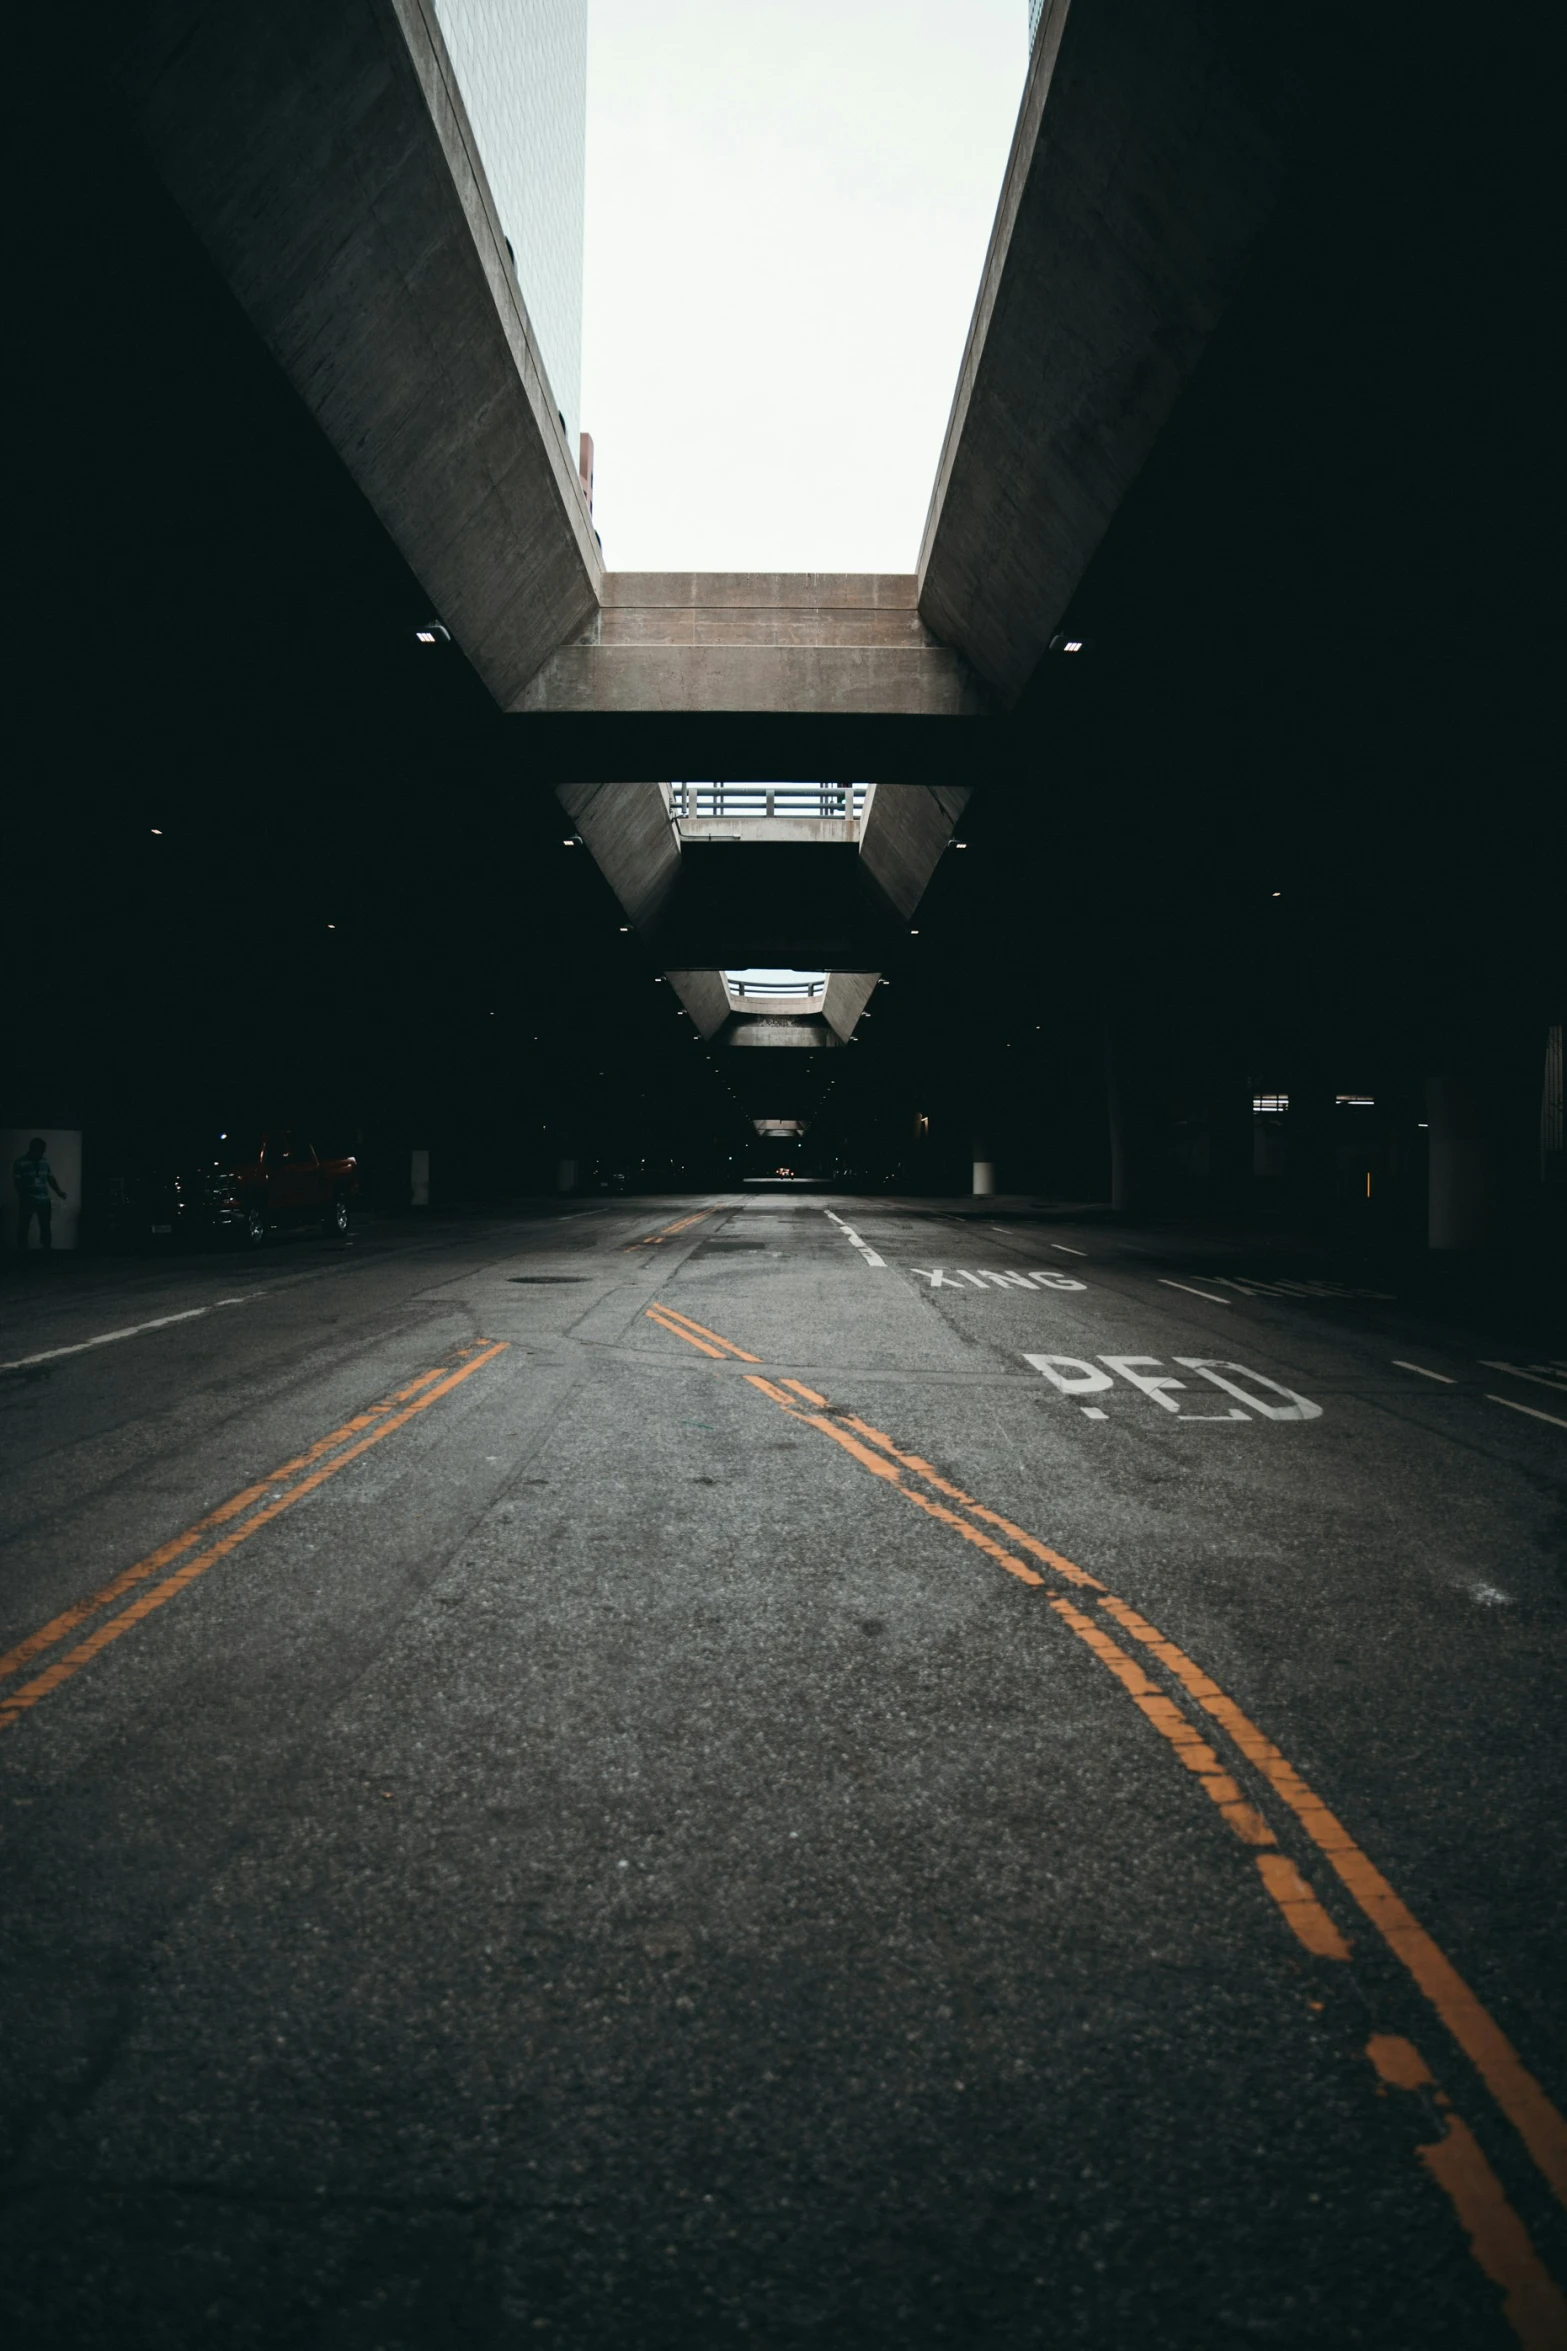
(323, 155)
(1143, 167)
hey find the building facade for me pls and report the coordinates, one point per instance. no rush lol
(522, 67)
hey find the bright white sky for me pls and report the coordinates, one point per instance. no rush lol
(788, 205)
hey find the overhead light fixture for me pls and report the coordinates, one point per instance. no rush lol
(960, 844)
(1073, 645)
(568, 844)
(432, 634)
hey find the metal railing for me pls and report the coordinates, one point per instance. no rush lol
(761, 988)
(721, 801)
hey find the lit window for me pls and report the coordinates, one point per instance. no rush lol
(1356, 1101)
(1269, 1102)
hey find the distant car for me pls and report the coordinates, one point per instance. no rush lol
(239, 1184)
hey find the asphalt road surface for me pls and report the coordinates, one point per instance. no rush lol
(777, 1771)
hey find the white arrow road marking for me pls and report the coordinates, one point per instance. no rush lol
(853, 1238)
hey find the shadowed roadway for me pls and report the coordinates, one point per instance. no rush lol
(777, 1771)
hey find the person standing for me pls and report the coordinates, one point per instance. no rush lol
(34, 1181)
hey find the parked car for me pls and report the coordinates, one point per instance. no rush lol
(241, 1184)
(270, 1184)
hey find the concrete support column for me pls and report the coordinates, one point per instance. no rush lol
(1128, 1156)
(419, 1176)
(565, 1175)
(984, 1168)
(1459, 1192)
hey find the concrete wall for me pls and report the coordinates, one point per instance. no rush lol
(766, 641)
(1143, 168)
(629, 833)
(324, 156)
(704, 996)
(772, 1029)
(848, 993)
(904, 835)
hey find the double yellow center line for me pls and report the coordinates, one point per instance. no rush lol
(221, 1531)
(654, 1240)
(1531, 2300)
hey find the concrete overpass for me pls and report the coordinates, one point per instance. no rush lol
(325, 158)
(614, 1855)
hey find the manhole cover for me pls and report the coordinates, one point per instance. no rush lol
(546, 1277)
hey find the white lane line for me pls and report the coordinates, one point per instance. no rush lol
(104, 1339)
(1399, 1364)
(1212, 1296)
(1067, 1249)
(132, 1331)
(853, 1238)
(1512, 1406)
(1092, 1412)
(1515, 1371)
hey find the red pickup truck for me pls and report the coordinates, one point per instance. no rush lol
(281, 1180)
(235, 1183)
